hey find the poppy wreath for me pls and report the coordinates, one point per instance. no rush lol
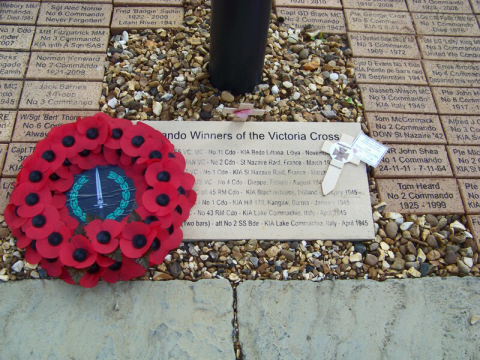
(103, 248)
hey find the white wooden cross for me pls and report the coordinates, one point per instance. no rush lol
(243, 112)
(341, 153)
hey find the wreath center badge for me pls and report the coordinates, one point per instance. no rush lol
(100, 198)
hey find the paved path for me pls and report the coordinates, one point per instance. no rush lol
(415, 319)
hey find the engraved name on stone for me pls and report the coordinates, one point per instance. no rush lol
(17, 153)
(65, 66)
(474, 225)
(421, 196)
(125, 18)
(452, 73)
(62, 95)
(330, 4)
(446, 24)
(72, 39)
(6, 188)
(384, 45)
(18, 13)
(460, 101)
(401, 98)
(440, 6)
(465, 160)
(405, 128)
(330, 21)
(80, 1)
(379, 21)
(389, 71)
(14, 37)
(7, 119)
(13, 64)
(3, 154)
(266, 180)
(470, 191)
(72, 14)
(461, 130)
(149, 2)
(10, 93)
(402, 161)
(392, 5)
(450, 48)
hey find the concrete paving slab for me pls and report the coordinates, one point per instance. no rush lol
(167, 320)
(363, 319)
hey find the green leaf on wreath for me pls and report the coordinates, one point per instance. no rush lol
(80, 230)
(134, 217)
(116, 255)
(91, 217)
(76, 274)
(143, 261)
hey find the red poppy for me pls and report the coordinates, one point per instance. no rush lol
(53, 267)
(53, 153)
(182, 211)
(66, 136)
(23, 241)
(104, 261)
(30, 201)
(71, 222)
(65, 276)
(91, 277)
(188, 180)
(123, 270)
(164, 172)
(153, 220)
(154, 150)
(162, 199)
(88, 159)
(163, 244)
(178, 158)
(59, 200)
(31, 254)
(116, 129)
(104, 235)
(112, 156)
(49, 247)
(36, 171)
(42, 225)
(92, 131)
(132, 141)
(192, 197)
(136, 239)
(13, 220)
(60, 180)
(78, 253)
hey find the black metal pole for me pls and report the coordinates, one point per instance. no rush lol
(238, 38)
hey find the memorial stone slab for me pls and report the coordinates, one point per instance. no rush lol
(264, 180)
(3, 154)
(421, 196)
(329, 21)
(395, 22)
(442, 6)
(405, 128)
(13, 64)
(399, 98)
(409, 161)
(475, 6)
(74, 14)
(7, 119)
(384, 45)
(81, 1)
(459, 101)
(24, 13)
(61, 95)
(6, 188)
(321, 4)
(389, 71)
(17, 153)
(14, 37)
(392, 5)
(70, 39)
(33, 126)
(127, 18)
(452, 73)
(470, 191)
(65, 66)
(465, 160)
(450, 48)
(462, 130)
(149, 2)
(10, 93)
(27, 0)
(474, 225)
(446, 24)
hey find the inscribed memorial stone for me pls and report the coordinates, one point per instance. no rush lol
(459, 101)
(392, 5)
(405, 128)
(470, 191)
(72, 14)
(71, 39)
(452, 73)
(465, 161)
(446, 24)
(400, 98)
(474, 224)
(440, 6)
(329, 21)
(13, 64)
(80, 1)
(384, 45)
(450, 48)
(389, 71)
(462, 130)
(7, 119)
(17, 153)
(3, 154)
(421, 196)
(329, 4)
(263, 180)
(127, 18)
(149, 2)
(408, 161)
(6, 187)
(65, 66)
(17, 13)
(14, 37)
(10, 93)
(379, 21)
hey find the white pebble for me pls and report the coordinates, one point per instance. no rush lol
(125, 36)
(157, 108)
(18, 266)
(468, 261)
(287, 84)
(312, 87)
(296, 95)
(113, 102)
(285, 274)
(274, 89)
(333, 76)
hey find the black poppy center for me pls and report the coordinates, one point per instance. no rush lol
(103, 237)
(32, 199)
(162, 200)
(94, 268)
(51, 260)
(117, 265)
(38, 221)
(179, 209)
(155, 244)
(67, 162)
(84, 153)
(181, 190)
(80, 255)
(155, 154)
(137, 141)
(48, 155)
(171, 229)
(68, 141)
(33, 244)
(139, 241)
(163, 176)
(35, 176)
(118, 152)
(117, 133)
(55, 239)
(171, 155)
(92, 133)
(54, 177)
(150, 219)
